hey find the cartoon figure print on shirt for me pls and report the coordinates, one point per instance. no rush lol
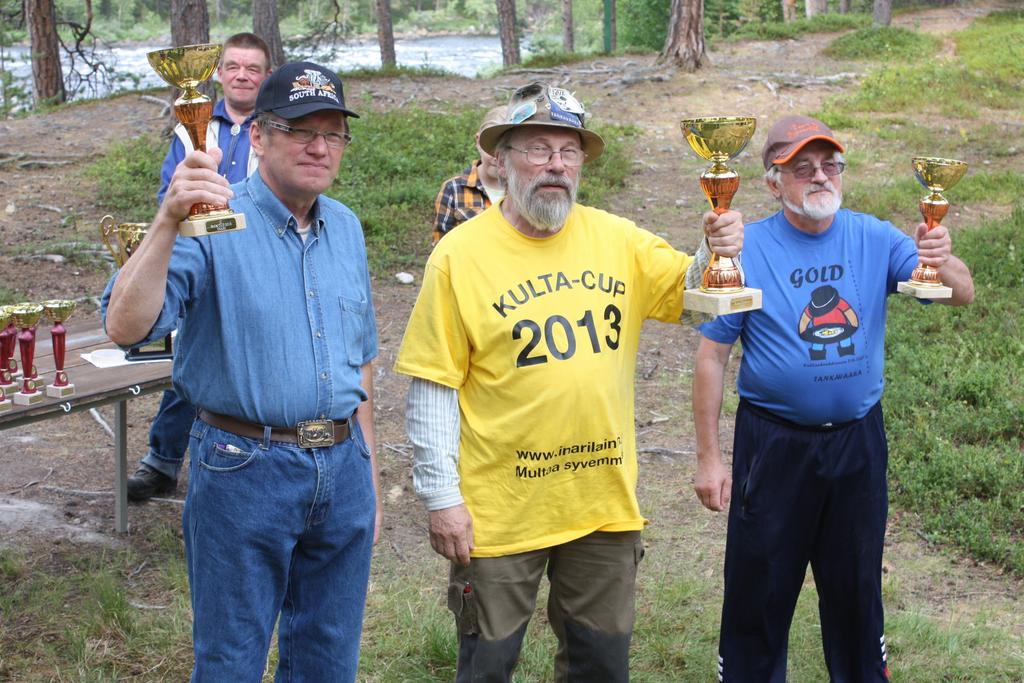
(828, 319)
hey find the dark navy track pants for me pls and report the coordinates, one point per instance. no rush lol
(804, 495)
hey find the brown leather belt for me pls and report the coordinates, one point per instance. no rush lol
(307, 434)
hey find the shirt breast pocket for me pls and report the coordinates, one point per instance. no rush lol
(353, 312)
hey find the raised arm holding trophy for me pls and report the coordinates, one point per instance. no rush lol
(720, 139)
(186, 67)
(936, 175)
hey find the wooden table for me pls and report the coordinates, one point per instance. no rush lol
(93, 387)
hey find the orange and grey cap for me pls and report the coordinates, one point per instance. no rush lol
(540, 104)
(790, 134)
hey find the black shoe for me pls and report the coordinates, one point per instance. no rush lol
(846, 350)
(817, 354)
(147, 482)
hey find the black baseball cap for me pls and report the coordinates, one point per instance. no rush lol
(296, 89)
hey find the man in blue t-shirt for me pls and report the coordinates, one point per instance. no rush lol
(244, 64)
(808, 480)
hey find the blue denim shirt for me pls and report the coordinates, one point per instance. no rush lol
(273, 330)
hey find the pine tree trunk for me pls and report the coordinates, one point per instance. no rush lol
(844, 6)
(47, 78)
(684, 44)
(507, 31)
(267, 27)
(190, 25)
(882, 14)
(385, 34)
(567, 29)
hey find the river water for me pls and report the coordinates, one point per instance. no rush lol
(463, 55)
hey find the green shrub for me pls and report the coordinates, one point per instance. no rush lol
(883, 43)
(128, 178)
(822, 23)
(955, 402)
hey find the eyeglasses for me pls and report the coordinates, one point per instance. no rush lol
(808, 171)
(304, 136)
(538, 156)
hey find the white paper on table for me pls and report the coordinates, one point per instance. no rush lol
(112, 358)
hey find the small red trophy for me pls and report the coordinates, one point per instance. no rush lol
(25, 317)
(59, 310)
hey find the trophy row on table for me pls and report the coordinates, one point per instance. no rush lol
(721, 139)
(18, 328)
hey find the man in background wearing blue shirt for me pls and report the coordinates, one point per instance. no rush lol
(808, 479)
(244, 64)
(274, 348)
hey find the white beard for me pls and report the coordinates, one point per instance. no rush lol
(543, 213)
(820, 206)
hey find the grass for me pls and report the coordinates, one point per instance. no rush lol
(124, 614)
(398, 71)
(955, 403)
(986, 72)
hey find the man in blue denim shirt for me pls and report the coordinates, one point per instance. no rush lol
(274, 348)
(243, 66)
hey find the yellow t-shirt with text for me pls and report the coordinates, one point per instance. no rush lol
(539, 336)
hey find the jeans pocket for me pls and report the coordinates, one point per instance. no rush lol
(462, 603)
(352, 313)
(227, 457)
(359, 439)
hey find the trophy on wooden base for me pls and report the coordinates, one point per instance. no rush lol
(7, 384)
(936, 175)
(121, 240)
(719, 139)
(8, 340)
(185, 68)
(59, 310)
(25, 317)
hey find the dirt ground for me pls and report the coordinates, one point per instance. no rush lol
(56, 476)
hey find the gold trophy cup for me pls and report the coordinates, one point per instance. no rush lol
(936, 175)
(185, 68)
(720, 139)
(25, 317)
(121, 240)
(59, 310)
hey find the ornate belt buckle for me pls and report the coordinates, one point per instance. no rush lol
(315, 433)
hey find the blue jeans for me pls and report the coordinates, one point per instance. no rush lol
(168, 434)
(273, 530)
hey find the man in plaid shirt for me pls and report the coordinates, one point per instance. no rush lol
(479, 186)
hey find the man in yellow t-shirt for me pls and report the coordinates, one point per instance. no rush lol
(522, 347)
